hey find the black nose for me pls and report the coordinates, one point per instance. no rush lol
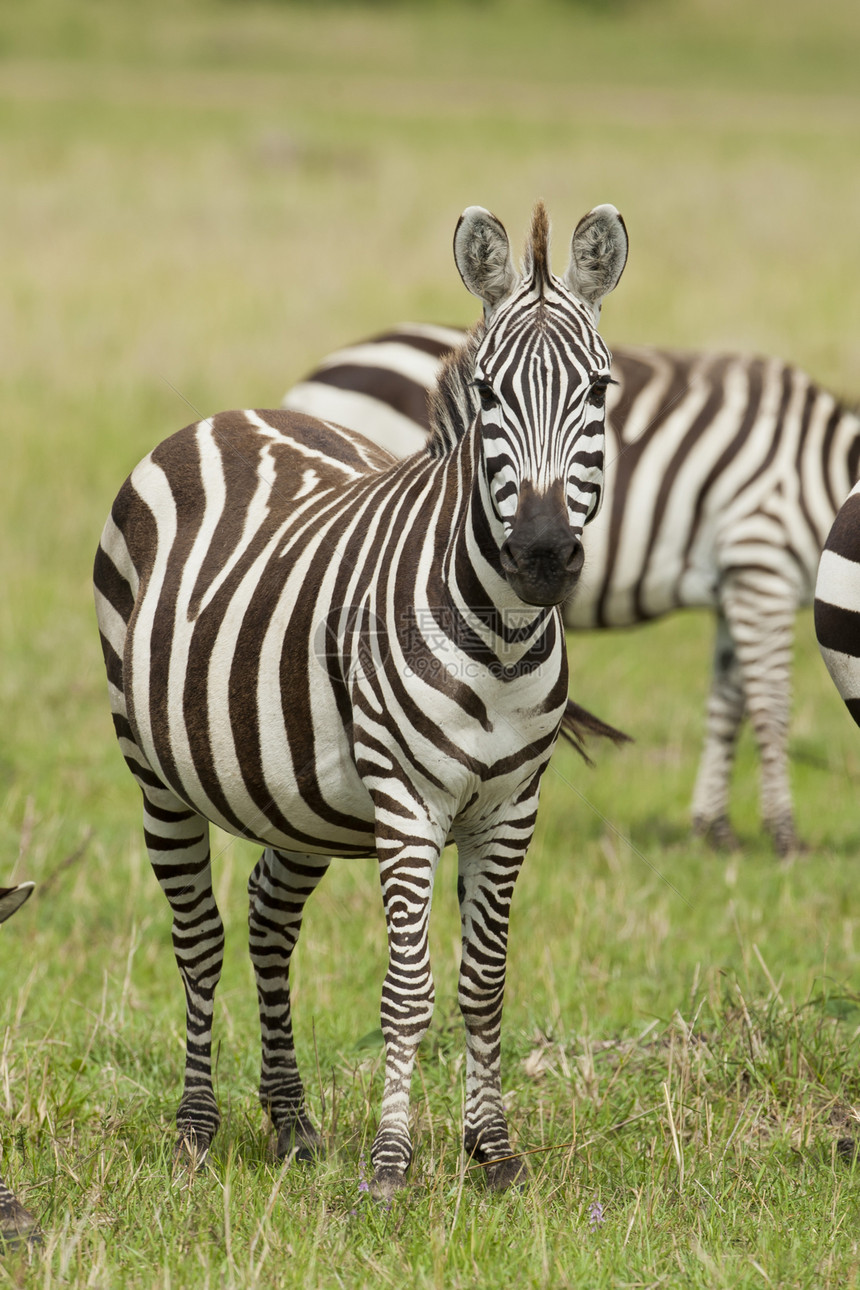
(542, 557)
(563, 555)
(543, 561)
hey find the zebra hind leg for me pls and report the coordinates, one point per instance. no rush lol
(177, 840)
(725, 714)
(278, 889)
(762, 624)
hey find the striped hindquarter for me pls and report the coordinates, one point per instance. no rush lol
(336, 654)
(837, 603)
(723, 475)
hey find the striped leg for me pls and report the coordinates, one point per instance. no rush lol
(177, 840)
(407, 870)
(485, 887)
(725, 714)
(278, 889)
(763, 627)
(760, 610)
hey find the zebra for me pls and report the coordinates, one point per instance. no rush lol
(334, 653)
(17, 1224)
(724, 473)
(837, 602)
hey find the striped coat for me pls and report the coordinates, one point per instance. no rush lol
(723, 477)
(837, 602)
(334, 653)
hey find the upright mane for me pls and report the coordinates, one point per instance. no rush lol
(536, 263)
(453, 404)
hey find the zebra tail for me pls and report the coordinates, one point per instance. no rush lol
(578, 723)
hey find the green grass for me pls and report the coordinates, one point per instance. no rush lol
(198, 205)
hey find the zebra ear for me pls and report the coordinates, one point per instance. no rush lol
(598, 254)
(12, 898)
(483, 255)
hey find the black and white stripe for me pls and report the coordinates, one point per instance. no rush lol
(723, 475)
(837, 602)
(335, 653)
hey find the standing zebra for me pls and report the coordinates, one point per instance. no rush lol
(335, 653)
(723, 476)
(837, 602)
(17, 1224)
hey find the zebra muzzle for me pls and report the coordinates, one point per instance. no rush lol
(542, 557)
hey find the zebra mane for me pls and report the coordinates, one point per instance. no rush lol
(453, 404)
(536, 264)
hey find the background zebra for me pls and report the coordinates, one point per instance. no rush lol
(723, 475)
(335, 653)
(837, 602)
(17, 1224)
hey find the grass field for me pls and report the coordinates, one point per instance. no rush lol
(198, 205)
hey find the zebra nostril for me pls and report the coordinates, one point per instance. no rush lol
(574, 562)
(507, 557)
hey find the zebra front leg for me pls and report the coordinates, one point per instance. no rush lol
(407, 870)
(177, 840)
(278, 889)
(761, 620)
(485, 888)
(725, 714)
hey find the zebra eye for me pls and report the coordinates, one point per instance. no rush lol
(596, 396)
(486, 395)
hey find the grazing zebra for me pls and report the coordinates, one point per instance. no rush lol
(334, 653)
(837, 602)
(723, 476)
(17, 1224)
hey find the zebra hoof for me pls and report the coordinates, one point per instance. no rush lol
(191, 1152)
(785, 840)
(300, 1141)
(387, 1182)
(501, 1175)
(717, 833)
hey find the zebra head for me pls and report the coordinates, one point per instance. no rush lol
(541, 372)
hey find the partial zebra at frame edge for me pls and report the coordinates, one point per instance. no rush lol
(17, 1225)
(12, 898)
(837, 603)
